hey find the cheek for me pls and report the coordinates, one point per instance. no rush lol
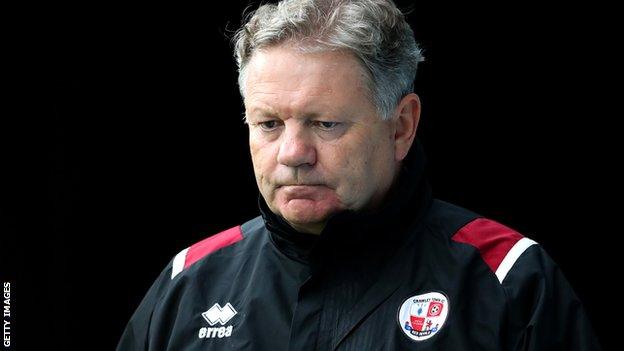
(348, 168)
(359, 171)
(259, 159)
(260, 152)
(264, 160)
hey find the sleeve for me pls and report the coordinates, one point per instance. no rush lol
(544, 311)
(135, 336)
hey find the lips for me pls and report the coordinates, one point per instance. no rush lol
(311, 192)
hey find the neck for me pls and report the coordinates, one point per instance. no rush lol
(309, 228)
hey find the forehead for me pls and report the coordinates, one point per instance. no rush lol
(287, 80)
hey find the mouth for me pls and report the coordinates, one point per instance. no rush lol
(302, 191)
(297, 185)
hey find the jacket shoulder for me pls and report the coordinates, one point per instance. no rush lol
(498, 245)
(135, 335)
(210, 245)
(542, 310)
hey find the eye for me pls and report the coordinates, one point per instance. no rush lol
(324, 125)
(268, 125)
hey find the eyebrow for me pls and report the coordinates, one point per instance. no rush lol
(263, 111)
(272, 114)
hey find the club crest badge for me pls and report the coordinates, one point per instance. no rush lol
(422, 316)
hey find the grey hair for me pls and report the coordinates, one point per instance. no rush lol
(374, 31)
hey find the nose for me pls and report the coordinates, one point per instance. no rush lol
(296, 149)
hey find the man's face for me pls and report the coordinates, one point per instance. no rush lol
(317, 143)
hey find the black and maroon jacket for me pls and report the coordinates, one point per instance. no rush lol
(419, 274)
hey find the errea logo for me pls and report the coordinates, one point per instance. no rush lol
(217, 314)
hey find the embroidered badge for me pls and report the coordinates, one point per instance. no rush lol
(422, 316)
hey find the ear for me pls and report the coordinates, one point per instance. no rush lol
(405, 125)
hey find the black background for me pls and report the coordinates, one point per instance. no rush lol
(123, 144)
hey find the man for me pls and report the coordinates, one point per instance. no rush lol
(351, 252)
